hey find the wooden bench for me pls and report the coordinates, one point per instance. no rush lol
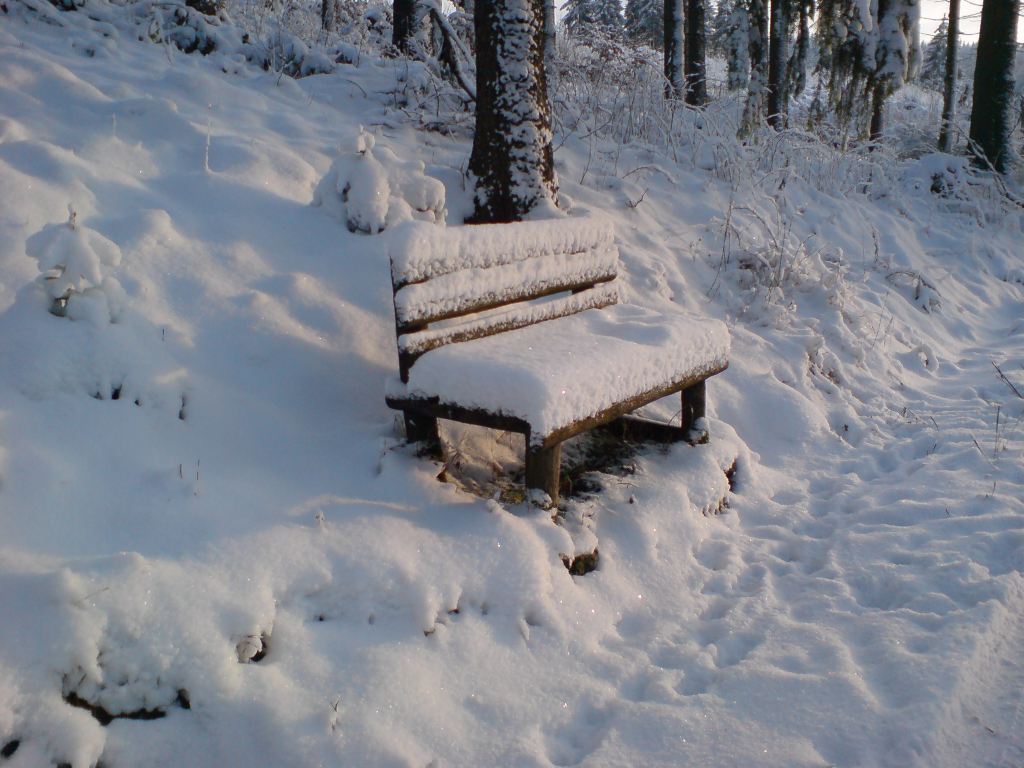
(517, 327)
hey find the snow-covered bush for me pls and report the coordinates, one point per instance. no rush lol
(281, 51)
(943, 175)
(74, 260)
(771, 263)
(372, 189)
(188, 29)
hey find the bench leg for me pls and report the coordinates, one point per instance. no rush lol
(543, 469)
(420, 428)
(694, 401)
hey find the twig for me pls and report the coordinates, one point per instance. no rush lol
(1007, 381)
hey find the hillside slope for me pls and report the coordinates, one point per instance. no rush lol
(207, 521)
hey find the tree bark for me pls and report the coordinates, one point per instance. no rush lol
(512, 158)
(993, 83)
(695, 61)
(404, 27)
(778, 60)
(328, 15)
(549, 31)
(758, 31)
(674, 49)
(877, 111)
(949, 81)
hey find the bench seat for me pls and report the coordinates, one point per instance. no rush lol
(565, 372)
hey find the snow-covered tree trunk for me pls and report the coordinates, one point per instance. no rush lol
(738, 48)
(549, 30)
(695, 61)
(757, 13)
(718, 28)
(778, 61)
(949, 79)
(674, 49)
(512, 159)
(329, 15)
(993, 82)
(796, 67)
(897, 55)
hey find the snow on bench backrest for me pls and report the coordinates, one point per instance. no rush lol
(439, 274)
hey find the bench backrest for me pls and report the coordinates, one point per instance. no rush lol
(461, 283)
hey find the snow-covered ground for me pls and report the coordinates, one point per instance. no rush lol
(206, 513)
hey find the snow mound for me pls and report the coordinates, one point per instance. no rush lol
(371, 190)
(73, 258)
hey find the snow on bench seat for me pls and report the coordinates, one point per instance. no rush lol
(555, 374)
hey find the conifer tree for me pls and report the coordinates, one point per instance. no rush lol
(582, 17)
(645, 22)
(718, 29)
(933, 60)
(579, 15)
(608, 15)
(863, 60)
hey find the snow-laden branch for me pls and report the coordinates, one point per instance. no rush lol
(454, 53)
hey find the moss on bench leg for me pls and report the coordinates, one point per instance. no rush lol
(420, 428)
(694, 425)
(543, 469)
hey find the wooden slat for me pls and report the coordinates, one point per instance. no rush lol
(631, 404)
(640, 430)
(433, 406)
(424, 251)
(520, 316)
(475, 290)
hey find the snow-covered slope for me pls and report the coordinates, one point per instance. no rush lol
(206, 518)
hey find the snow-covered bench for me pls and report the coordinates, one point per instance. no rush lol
(541, 349)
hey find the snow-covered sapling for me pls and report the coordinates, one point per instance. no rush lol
(372, 189)
(74, 260)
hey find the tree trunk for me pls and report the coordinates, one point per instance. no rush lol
(796, 67)
(778, 60)
(512, 158)
(674, 49)
(695, 64)
(404, 28)
(758, 25)
(549, 31)
(328, 15)
(993, 83)
(949, 80)
(877, 111)
(738, 45)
